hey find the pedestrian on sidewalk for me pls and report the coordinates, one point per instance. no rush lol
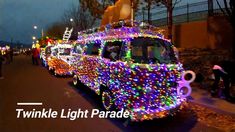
(223, 71)
(1, 61)
(11, 55)
(34, 56)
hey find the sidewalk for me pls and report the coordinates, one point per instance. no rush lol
(202, 97)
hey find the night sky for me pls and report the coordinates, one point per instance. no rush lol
(17, 17)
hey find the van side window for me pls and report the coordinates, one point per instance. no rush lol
(78, 48)
(93, 48)
(112, 50)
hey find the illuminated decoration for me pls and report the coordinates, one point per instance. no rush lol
(183, 83)
(147, 90)
(60, 60)
(33, 46)
(4, 50)
(59, 57)
(67, 34)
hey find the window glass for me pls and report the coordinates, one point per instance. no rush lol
(152, 51)
(112, 50)
(54, 52)
(93, 48)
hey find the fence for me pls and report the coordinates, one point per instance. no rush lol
(185, 13)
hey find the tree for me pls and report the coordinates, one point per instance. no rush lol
(56, 30)
(170, 5)
(75, 18)
(96, 7)
(78, 18)
(229, 12)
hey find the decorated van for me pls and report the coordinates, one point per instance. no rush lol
(133, 68)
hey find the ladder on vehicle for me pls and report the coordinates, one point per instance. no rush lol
(67, 34)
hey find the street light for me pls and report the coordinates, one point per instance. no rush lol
(36, 27)
(33, 37)
(71, 19)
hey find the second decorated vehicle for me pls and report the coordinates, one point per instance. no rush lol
(61, 59)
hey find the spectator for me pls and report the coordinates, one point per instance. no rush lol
(223, 71)
(1, 61)
(11, 55)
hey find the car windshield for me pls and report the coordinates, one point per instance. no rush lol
(64, 51)
(152, 51)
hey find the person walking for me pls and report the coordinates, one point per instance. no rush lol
(11, 55)
(1, 61)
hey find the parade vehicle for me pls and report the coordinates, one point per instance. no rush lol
(60, 59)
(60, 62)
(133, 67)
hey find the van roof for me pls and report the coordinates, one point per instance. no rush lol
(121, 30)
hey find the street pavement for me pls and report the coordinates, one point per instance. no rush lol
(25, 82)
(202, 97)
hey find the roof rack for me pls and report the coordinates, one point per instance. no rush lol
(123, 23)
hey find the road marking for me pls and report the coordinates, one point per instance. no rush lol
(29, 103)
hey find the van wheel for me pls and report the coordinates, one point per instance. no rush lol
(75, 80)
(107, 100)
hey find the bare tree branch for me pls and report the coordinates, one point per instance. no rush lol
(221, 8)
(227, 8)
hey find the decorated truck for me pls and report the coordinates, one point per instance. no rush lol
(59, 63)
(132, 67)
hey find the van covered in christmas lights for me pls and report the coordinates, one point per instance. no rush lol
(131, 68)
(61, 59)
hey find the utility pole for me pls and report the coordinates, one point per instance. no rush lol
(210, 8)
(170, 18)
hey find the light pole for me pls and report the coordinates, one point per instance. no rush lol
(35, 27)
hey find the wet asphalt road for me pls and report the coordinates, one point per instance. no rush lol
(25, 82)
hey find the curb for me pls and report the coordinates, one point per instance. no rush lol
(213, 108)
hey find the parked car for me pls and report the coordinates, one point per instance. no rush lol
(131, 68)
(16, 52)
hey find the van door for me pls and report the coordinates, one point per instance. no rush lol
(112, 66)
(88, 66)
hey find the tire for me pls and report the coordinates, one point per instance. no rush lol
(107, 100)
(75, 80)
(51, 71)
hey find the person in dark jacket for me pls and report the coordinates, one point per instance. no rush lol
(223, 71)
(1, 61)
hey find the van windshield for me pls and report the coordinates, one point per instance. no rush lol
(64, 51)
(152, 51)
